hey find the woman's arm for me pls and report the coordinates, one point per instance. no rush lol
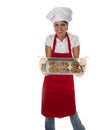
(76, 51)
(48, 51)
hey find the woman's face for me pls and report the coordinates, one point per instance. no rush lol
(60, 28)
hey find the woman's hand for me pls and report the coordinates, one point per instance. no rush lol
(83, 64)
(41, 63)
(42, 60)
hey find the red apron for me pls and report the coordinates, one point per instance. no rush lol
(58, 95)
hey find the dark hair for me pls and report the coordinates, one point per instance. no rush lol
(65, 22)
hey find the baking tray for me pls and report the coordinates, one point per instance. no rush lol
(61, 66)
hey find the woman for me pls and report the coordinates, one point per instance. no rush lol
(58, 95)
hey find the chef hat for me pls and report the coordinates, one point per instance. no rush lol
(60, 14)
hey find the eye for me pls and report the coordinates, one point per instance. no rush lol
(62, 25)
(55, 25)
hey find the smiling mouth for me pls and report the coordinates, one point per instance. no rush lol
(60, 31)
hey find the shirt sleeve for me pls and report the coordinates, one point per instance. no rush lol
(49, 40)
(74, 41)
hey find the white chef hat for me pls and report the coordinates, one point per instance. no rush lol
(60, 14)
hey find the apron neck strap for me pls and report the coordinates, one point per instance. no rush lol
(69, 45)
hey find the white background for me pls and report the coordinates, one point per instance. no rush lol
(23, 29)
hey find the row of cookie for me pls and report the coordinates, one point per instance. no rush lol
(64, 70)
(74, 64)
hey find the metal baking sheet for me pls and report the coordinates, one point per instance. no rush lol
(60, 69)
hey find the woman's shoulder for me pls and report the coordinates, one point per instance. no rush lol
(74, 39)
(73, 36)
(49, 39)
(51, 36)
